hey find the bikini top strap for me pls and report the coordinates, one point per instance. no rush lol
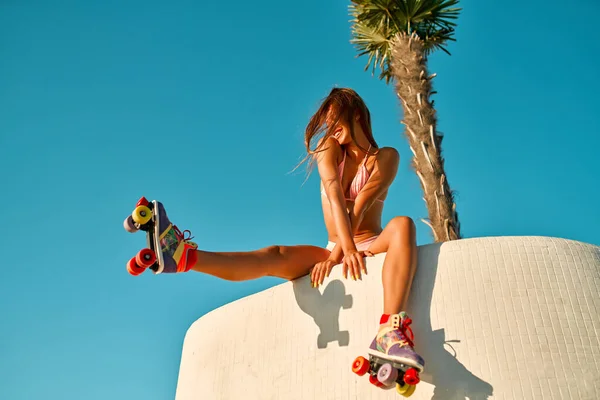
(364, 162)
(342, 165)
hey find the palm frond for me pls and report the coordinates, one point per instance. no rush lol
(376, 22)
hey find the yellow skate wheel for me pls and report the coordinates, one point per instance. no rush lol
(141, 215)
(406, 390)
(401, 389)
(411, 389)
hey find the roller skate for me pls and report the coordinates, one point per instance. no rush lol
(392, 359)
(168, 249)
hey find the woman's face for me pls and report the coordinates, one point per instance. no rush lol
(341, 131)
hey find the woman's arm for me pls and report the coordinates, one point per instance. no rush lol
(328, 170)
(384, 173)
(337, 254)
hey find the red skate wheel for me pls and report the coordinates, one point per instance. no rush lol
(374, 381)
(411, 376)
(145, 258)
(142, 202)
(133, 268)
(360, 366)
(129, 225)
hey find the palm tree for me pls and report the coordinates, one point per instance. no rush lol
(398, 35)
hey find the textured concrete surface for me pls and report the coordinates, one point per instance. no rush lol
(494, 318)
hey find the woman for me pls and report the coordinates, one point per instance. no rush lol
(355, 177)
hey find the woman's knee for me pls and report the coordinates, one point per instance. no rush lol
(275, 251)
(403, 227)
(291, 262)
(285, 253)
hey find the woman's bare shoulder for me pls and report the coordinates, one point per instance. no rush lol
(387, 156)
(329, 146)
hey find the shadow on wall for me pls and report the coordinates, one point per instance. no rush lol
(325, 310)
(443, 370)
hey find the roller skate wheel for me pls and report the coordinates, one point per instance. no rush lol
(411, 376)
(142, 202)
(387, 375)
(360, 366)
(142, 215)
(405, 390)
(129, 225)
(133, 268)
(374, 381)
(145, 258)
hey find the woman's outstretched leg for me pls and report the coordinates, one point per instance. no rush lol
(395, 339)
(287, 262)
(175, 253)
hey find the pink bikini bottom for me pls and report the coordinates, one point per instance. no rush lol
(360, 246)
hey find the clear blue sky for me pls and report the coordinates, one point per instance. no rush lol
(202, 105)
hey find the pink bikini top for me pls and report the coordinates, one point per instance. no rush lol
(359, 181)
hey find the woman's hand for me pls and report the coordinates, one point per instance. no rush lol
(354, 263)
(320, 271)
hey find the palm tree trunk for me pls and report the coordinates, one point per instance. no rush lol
(413, 87)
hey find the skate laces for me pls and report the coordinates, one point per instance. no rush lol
(181, 235)
(403, 325)
(407, 331)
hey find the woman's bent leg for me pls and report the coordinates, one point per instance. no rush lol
(394, 339)
(398, 240)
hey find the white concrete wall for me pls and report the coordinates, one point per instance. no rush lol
(494, 318)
